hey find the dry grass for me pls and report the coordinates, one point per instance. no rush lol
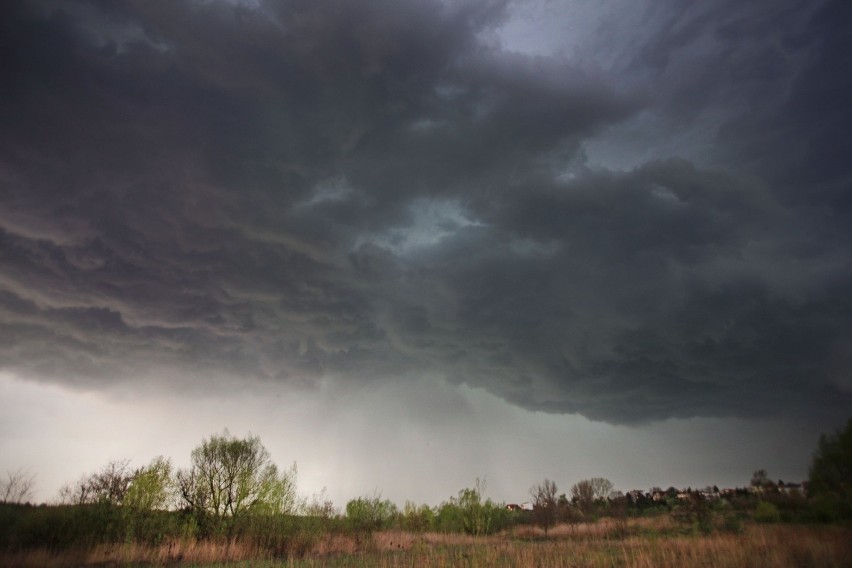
(175, 552)
(650, 543)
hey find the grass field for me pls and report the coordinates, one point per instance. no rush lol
(638, 543)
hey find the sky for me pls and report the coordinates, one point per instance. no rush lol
(412, 243)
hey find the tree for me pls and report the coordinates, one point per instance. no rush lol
(229, 477)
(111, 483)
(478, 516)
(107, 486)
(601, 488)
(151, 487)
(586, 492)
(544, 503)
(18, 487)
(583, 494)
(830, 476)
(760, 478)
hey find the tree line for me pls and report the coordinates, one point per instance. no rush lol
(233, 489)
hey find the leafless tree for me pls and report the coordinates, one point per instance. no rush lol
(760, 478)
(18, 487)
(586, 492)
(109, 485)
(544, 503)
(583, 494)
(601, 488)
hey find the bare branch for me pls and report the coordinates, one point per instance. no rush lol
(18, 487)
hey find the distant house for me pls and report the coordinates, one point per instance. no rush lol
(635, 495)
(513, 507)
(658, 495)
(792, 488)
(710, 494)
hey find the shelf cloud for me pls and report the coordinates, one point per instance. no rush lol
(649, 224)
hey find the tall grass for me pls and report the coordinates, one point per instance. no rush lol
(648, 543)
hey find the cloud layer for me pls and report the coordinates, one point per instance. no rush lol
(649, 224)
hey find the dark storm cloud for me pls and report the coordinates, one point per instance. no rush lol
(289, 191)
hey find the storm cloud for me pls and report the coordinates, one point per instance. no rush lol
(646, 225)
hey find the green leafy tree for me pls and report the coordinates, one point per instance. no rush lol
(831, 471)
(476, 513)
(449, 517)
(230, 477)
(151, 492)
(151, 487)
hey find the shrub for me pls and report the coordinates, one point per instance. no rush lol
(766, 512)
(417, 519)
(370, 513)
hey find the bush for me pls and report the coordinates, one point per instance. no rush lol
(732, 523)
(370, 513)
(766, 512)
(468, 513)
(417, 519)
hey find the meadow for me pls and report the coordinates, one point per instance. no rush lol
(652, 542)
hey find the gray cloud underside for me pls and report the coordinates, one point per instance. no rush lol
(363, 191)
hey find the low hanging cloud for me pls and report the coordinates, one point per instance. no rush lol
(304, 191)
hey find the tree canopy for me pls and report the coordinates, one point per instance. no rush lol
(231, 476)
(831, 470)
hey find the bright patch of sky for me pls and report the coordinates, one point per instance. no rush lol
(430, 222)
(547, 27)
(329, 190)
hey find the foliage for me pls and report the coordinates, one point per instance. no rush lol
(370, 513)
(61, 527)
(417, 518)
(470, 514)
(151, 487)
(766, 512)
(831, 471)
(478, 516)
(449, 517)
(230, 477)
